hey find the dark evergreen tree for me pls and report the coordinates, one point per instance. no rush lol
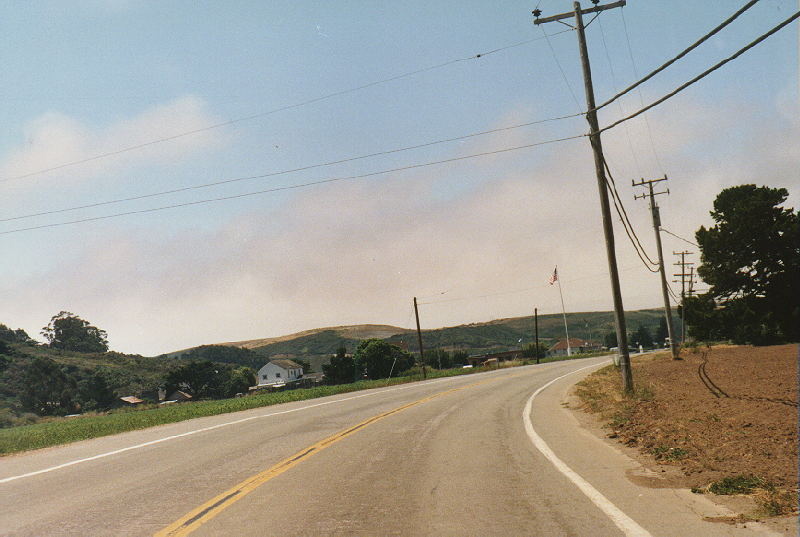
(377, 358)
(47, 389)
(341, 369)
(750, 259)
(201, 380)
(95, 393)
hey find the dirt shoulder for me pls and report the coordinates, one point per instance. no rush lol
(722, 419)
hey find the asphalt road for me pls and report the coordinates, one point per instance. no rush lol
(445, 457)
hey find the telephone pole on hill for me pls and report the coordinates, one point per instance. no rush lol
(683, 264)
(602, 182)
(657, 228)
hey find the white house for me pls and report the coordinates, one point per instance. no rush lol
(279, 371)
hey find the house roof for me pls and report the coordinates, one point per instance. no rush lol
(573, 342)
(178, 395)
(286, 364)
(132, 399)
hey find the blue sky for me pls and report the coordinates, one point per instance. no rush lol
(478, 238)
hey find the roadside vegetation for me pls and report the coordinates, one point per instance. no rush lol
(58, 430)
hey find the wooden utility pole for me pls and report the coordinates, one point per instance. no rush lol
(419, 339)
(602, 186)
(536, 332)
(683, 264)
(657, 228)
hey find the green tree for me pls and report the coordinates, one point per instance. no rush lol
(377, 358)
(643, 337)
(305, 364)
(226, 354)
(750, 259)
(239, 380)
(201, 380)
(661, 332)
(47, 389)
(95, 393)
(341, 369)
(438, 358)
(531, 351)
(610, 340)
(460, 357)
(69, 332)
(13, 336)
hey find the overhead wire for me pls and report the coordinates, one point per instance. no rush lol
(705, 73)
(619, 103)
(691, 47)
(665, 230)
(287, 171)
(269, 112)
(674, 295)
(639, 91)
(558, 64)
(626, 223)
(291, 187)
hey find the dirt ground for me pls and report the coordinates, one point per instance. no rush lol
(717, 413)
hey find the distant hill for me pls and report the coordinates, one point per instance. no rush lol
(316, 346)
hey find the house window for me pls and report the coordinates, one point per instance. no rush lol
(277, 375)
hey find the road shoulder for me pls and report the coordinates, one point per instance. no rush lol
(662, 510)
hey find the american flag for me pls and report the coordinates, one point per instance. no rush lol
(554, 278)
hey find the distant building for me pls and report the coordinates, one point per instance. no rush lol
(494, 357)
(279, 371)
(178, 396)
(577, 346)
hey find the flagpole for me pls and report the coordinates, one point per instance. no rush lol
(564, 313)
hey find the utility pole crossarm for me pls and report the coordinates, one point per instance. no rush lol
(571, 14)
(602, 181)
(656, 228)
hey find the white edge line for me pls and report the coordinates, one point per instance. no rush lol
(625, 523)
(218, 426)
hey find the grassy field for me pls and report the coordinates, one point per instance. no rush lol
(59, 431)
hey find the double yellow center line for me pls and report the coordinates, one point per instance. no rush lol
(199, 516)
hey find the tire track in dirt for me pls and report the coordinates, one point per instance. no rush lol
(718, 392)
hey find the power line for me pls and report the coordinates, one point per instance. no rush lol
(290, 187)
(616, 88)
(283, 172)
(697, 43)
(706, 72)
(674, 295)
(626, 223)
(679, 237)
(561, 69)
(269, 112)
(639, 91)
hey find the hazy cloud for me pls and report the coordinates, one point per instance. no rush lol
(358, 251)
(54, 139)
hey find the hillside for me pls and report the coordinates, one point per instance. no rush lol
(316, 346)
(126, 374)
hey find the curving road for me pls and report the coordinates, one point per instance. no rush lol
(451, 456)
